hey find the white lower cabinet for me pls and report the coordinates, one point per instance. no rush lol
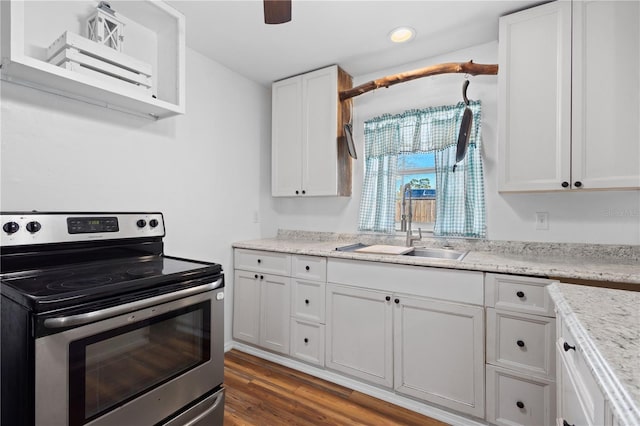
(359, 338)
(246, 306)
(438, 352)
(521, 366)
(428, 349)
(580, 400)
(261, 310)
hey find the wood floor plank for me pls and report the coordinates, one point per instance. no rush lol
(259, 392)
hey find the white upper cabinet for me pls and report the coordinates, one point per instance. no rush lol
(146, 77)
(569, 97)
(308, 157)
(606, 94)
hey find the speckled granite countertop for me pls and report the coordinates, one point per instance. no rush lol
(620, 264)
(606, 326)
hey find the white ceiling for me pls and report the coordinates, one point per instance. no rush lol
(352, 34)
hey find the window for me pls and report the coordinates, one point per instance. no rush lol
(418, 170)
(420, 146)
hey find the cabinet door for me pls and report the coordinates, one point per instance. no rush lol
(359, 333)
(246, 306)
(606, 94)
(534, 92)
(275, 300)
(286, 137)
(320, 146)
(439, 353)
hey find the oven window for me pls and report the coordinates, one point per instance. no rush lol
(109, 369)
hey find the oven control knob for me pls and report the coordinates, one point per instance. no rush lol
(33, 227)
(141, 223)
(153, 223)
(10, 227)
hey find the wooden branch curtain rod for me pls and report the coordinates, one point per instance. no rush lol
(447, 68)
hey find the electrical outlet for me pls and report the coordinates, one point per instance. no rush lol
(542, 221)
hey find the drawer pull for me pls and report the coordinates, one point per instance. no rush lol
(566, 423)
(307, 267)
(306, 340)
(520, 404)
(567, 347)
(521, 344)
(520, 294)
(306, 301)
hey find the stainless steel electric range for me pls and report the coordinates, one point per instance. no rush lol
(99, 327)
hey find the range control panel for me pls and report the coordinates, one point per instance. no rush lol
(21, 228)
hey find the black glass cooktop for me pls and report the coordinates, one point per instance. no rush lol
(58, 286)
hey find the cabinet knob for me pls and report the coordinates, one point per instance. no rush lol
(520, 404)
(520, 294)
(256, 276)
(566, 423)
(297, 192)
(262, 277)
(520, 343)
(307, 267)
(306, 340)
(397, 300)
(259, 261)
(577, 184)
(304, 192)
(306, 301)
(387, 298)
(565, 184)
(567, 347)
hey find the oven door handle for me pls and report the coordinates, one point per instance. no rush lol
(205, 414)
(81, 319)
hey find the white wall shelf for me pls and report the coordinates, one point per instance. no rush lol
(154, 33)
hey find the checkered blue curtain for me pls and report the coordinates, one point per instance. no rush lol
(460, 195)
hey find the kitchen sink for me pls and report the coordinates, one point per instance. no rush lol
(438, 253)
(352, 247)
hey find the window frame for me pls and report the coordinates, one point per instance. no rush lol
(401, 172)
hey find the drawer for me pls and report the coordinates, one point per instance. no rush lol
(522, 342)
(519, 294)
(517, 399)
(268, 262)
(308, 300)
(309, 267)
(579, 373)
(307, 341)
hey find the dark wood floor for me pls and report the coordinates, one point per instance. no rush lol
(259, 392)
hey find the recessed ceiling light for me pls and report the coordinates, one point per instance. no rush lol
(402, 34)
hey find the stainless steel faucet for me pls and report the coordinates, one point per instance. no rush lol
(405, 220)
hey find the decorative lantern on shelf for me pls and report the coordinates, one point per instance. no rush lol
(104, 27)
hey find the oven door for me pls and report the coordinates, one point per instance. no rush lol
(138, 367)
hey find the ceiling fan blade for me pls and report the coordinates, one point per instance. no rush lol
(277, 11)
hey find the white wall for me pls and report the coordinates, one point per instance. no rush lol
(584, 217)
(201, 169)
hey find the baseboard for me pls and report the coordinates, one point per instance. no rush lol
(393, 398)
